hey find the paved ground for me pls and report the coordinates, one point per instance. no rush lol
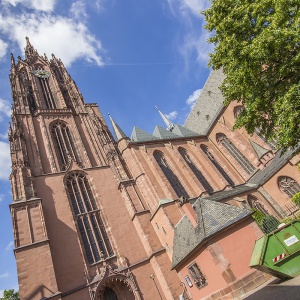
(278, 290)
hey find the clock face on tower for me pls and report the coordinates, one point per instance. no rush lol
(41, 73)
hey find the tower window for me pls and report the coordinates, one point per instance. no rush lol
(90, 226)
(235, 153)
(63, 144)
(196, 171)
(170, 175)
(288, 185)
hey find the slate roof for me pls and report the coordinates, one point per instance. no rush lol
(259, 150)
(220, 195)
(208, 106)
(139, 135)
(212, 217)
(182, 131)
(276, 164)
(162, 133)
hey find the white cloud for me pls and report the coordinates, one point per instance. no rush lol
(197, 42)
(195, 37)
(78, 10)
(5, 164)
(99, 5)
(193, 98)
(10, 246)
(41, 5)
(5, 107)
(67, 38)
(1, 293)
(1, 197)
(4, 136)
(185, 6)
(172, 115)
(3, 48)
(4, 275)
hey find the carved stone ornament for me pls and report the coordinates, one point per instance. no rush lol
(182, 200)
(110, 277)
(169, 145)
(192, 142)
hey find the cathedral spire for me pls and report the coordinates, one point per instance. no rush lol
(119, 134)
(12, 59)
(170, 125)
(29, 50)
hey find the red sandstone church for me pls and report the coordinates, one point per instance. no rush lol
(154, 216)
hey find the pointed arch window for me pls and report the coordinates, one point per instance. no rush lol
(237, 110)
(63, 144)
(288, 185)
(170, 175)
(195, 170)
(216, 164)
(235, 153)
(46, 90)
(90, 226)
(254, 203)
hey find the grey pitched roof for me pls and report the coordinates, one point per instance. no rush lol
(276, 164)
(208, 106)
(182, 131)
(259, 150)
(162, 133)
(220, 195)
(139, 135)
(212, 217)
(119, 134)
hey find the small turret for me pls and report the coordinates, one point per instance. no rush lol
(119, 134)
(170, 125)
(29, 50)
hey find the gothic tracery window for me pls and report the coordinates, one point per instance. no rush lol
(195, 170)
(254, 203)
(63, 144)
(237, 110)
(92, 231)
(216, 164)
(170, 175)
(288, 185)
(235, 153)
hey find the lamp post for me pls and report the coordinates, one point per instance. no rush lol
(153, 278)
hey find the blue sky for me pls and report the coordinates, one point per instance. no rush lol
(127, 56)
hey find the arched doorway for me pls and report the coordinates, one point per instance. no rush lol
(109, 294)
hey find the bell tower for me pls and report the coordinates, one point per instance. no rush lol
(71, 191)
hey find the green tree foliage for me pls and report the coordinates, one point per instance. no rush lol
(257, 45)
(267, 223)
(296, 199)
(10, 295)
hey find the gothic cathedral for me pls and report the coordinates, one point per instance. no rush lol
(155, 216)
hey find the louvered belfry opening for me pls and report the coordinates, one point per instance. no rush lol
(91, 228)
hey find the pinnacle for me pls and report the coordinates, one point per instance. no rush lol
(119, 134)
